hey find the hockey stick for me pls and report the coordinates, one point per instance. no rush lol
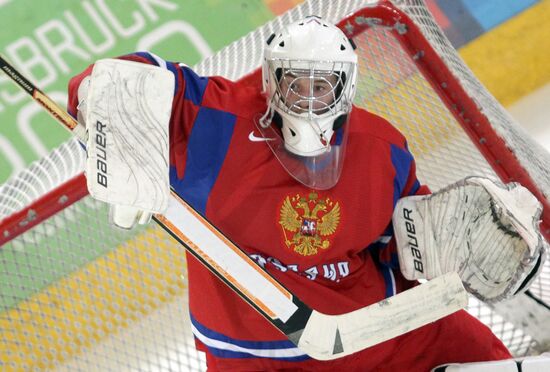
(319, 335)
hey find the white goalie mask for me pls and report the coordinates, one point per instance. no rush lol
(309, 74)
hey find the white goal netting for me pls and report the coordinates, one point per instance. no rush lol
(77, 294)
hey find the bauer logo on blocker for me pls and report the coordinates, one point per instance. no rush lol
(101, 164)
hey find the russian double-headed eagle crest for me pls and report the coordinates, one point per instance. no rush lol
(308, 222)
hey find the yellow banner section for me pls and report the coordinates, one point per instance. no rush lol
(104, 296)
(512, 59)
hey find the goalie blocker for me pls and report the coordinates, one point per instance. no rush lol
(127, 146)
(484, 230)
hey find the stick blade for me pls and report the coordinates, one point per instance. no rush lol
(327, 337)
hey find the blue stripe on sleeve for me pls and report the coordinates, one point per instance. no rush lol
(394, 263)
(388, 280)
(174, 71)
(414, 188)
(206, 150)
(194, 86)
(285, 344)
(220, 353)
(401, 160)
(279, 350)
(148, 57)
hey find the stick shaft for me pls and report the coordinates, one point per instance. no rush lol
(295, 312)
(42, 99)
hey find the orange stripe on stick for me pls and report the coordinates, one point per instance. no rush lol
(215, 265)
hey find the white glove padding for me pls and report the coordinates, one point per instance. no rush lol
(485, 231)
(127, 217)
(127, 107)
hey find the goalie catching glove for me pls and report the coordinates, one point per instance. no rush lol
(485, 231)
(126, 108)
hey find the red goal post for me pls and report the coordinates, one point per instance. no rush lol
(78, 293)
(451, 86)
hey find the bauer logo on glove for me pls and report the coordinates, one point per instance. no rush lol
(485, 231)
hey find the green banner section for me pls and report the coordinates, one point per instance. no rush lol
(50, 41)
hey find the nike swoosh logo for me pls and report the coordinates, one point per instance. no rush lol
(253, 138)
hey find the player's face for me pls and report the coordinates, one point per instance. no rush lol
(302, 93)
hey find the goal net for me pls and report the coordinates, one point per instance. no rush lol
(78, 294)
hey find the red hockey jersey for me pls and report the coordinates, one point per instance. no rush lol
(332, 248)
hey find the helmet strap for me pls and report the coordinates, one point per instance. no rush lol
(267, 117)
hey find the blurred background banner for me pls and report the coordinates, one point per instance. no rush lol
(505, 43)
(73, 281)
(50, 41)
(465, 20)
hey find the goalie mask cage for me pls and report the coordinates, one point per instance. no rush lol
(78, 294)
